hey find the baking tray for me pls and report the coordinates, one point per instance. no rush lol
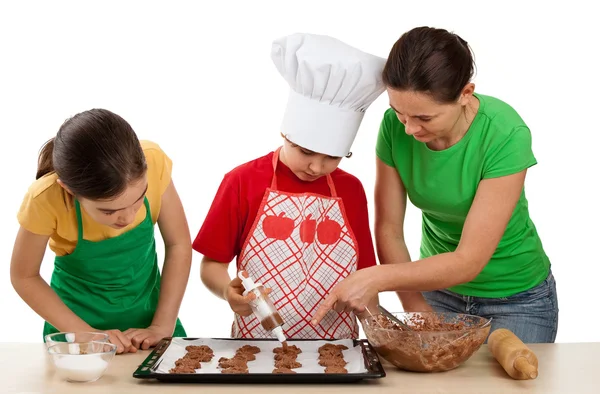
(147, 370)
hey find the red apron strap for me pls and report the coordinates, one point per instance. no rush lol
(274, 180)
(331, 186)
(275, 161)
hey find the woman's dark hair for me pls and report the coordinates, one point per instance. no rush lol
(96, 154)
(432, 61)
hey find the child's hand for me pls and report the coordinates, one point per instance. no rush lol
(234, 296)
(119, 339)
(145, 338)
(238, 303)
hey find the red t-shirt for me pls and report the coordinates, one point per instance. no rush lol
(236, 204)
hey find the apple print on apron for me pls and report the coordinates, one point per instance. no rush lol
(300, 246)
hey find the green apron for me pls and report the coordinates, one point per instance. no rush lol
(114, 283)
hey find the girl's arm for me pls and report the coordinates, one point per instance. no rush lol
(178, 258)
(176, 270)
(28, 253)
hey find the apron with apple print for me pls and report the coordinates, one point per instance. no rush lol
(299, 246)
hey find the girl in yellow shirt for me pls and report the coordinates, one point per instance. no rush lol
(97, 195)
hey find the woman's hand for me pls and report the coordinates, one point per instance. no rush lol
(353, 294)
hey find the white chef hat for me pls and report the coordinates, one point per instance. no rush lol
(332, 85)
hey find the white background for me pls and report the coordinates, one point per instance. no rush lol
(198, 80)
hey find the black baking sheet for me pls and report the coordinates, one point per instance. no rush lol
(147, 370)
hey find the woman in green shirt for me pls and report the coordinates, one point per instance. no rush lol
(461, 157)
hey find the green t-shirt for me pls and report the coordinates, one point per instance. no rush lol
(443, 184)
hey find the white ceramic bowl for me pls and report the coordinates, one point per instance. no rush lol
(75, 337)
(82, 361)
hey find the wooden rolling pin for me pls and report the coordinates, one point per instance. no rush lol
(515, 357)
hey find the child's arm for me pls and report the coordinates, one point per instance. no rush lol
(216, 278)
(28, 253)
(218, 240)
(176, 270)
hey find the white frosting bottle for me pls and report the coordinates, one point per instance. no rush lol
(263, 307)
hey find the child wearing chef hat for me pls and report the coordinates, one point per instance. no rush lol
(292, 219)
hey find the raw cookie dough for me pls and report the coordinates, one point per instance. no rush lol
(442, 352)
(293, 349)
(192, 359)
(239, 362)
(286, 359)
(335, 369)
(332, 357)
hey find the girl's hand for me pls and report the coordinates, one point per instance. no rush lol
(121, 340)
(145, 338)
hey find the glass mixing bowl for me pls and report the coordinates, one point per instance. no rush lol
(436, 342)
(82, 361)
(71, 337)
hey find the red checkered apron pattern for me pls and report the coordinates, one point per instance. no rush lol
(300, 246)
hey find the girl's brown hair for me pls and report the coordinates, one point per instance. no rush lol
(96, 154)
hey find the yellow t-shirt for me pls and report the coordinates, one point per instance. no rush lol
(46, 211)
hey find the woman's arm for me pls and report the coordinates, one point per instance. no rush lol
(390, 208)
(484, 227)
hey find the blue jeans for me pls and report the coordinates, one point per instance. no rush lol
(532, 315)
